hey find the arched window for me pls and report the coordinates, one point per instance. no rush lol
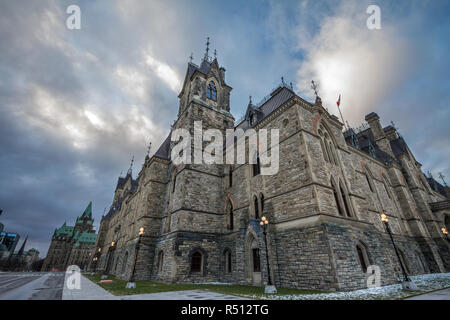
(211, 91)
(368, 176)
(174, 182)
(327, 145)
(255, 203)
(336, 199)
(256, 260)
(363, 256)
(385, 184)
(196, 263)
(261, 199)
(344, 199)
(160, 261)
(257, 166)
(227, 259)
(230, 222)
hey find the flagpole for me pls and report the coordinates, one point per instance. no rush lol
(339, 108)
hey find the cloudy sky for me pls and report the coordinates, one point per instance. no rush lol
(77, 104)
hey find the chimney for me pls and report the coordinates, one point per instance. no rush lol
(378, 133)
(391, 133)
(222, 73)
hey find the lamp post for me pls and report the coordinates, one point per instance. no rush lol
(445, 232)
(407, 283)
(130, 283)
(108, 260)
(270, 288)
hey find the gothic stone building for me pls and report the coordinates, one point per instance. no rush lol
(72, 245)
(201, 222)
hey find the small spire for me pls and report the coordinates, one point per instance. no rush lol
(215, 54)
(131, 166)
(148, 150)
(314, 87)
(206, 57)
(250, 101)
(290, 84)
(191, 57)
(282, 81)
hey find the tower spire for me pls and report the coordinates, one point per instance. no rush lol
(148, 151)
(22, 248)
(206, 57)
(131, 166)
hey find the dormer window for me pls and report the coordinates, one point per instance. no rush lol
(251, 119)
(211, 91)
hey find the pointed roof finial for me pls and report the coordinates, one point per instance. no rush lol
(191, 57)
(290, 84)
(314, 87)
(131, 166)
(206, 57)
(250, 101)
(148, 150)
(215, 54)
(282, 81)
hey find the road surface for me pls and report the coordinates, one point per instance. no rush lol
(31, 285)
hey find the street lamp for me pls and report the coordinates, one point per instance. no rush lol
(407, 283)
(130, 283)
(270, 288)
(445, 232)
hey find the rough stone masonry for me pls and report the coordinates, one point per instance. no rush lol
(201, 221)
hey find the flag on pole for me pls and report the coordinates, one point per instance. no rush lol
(339, 101)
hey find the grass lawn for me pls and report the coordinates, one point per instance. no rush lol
(117, 287)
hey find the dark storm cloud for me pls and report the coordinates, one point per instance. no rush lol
(77, 104)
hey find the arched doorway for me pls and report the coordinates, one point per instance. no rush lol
(253, 260)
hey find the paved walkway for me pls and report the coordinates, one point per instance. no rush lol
(31, 286)
(88, 291)
(91, 291)
(436, 295)
(183, 295)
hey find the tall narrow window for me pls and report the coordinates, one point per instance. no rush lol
(362, 256)
(196, 264)
(344, 199)
(160, 261)
(174, 182)
(327, 145)
(227, 261)
(256, 260)
(368, 182)
(336, 200)
(211, 91)
(261, 199)
(255, 203)
(230, 216)
(230, 178)
(386, 189)
(257, 166)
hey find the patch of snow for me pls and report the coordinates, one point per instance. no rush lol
(425, 283)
